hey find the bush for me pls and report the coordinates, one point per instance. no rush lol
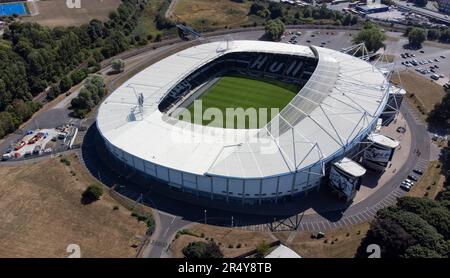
(65, 161)
(118, 65)
(203, 250)
(262, 249)
(93, 192)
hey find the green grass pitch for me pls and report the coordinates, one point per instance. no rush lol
(245, 92)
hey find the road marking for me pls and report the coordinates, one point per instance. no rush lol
(329, 225)
(165, 233)
(359, 218)
(173, 220)
(302, 228)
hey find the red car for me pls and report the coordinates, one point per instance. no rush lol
(20, 145)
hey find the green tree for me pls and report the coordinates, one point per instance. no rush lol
(372, 36)
(418, 251)
(65, 84)
(118, 65)
(421, 3)
(93, 192)
(433, 34)
(440, 115)
(274, 29)
(417, 36)
(202, 250)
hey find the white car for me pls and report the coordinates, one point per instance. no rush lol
(405, 187)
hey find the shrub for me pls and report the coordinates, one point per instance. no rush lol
(199, 249)
(262, 249)
(118, 65)
(93, 192)
(65, 161)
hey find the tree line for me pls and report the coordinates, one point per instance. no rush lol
(36, 59)
(417, 36)
(293, 15)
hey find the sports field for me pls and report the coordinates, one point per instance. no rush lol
(243, 92)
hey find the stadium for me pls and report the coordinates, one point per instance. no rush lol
(328, 102)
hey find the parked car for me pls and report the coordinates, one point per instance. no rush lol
(405, 187)
(418, 171)
(409, 181)
(6, 156)
(412, 177)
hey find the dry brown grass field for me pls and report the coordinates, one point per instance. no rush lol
(56, 13)
(431, 183)
(232, 242)
(422, 93)
(41, 214)
(216, 13)
(341, 243)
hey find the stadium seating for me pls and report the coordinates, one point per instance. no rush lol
(284, 68)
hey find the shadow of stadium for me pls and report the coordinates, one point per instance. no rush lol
(318, 204)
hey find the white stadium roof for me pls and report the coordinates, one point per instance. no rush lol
(340, 100)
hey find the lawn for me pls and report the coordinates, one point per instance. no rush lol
(207, 14)
(55, 13)
(341, 243)
(232, 241)
(41, 214)
(243, 92)
(430, 183)
(422, 93)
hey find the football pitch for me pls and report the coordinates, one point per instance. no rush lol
(246, 93)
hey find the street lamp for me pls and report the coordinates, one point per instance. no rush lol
(205, 216)
(232, 221)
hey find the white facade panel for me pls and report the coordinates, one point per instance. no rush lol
(204, 184)
(236, 187)
(269, 187)
(252, 188)
(189, 181)
(285, 186)
(139, 164)
(150, 169)
(175, 176)
(219, 185)
(162, 172)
